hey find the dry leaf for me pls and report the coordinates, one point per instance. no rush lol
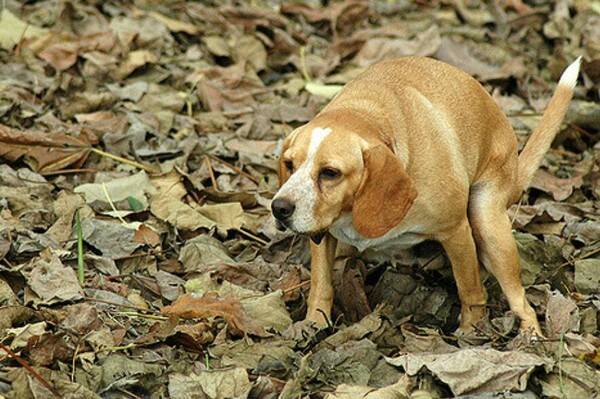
(45, 152)
(175, 25)
(191, 306)
(474, 370)
(12, 30)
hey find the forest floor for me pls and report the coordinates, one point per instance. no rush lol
(138, 147)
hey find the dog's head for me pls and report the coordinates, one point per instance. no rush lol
(325, 171)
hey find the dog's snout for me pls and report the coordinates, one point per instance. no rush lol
(282, 208)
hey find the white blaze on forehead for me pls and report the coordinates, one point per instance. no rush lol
(300, 189)
(317, 136)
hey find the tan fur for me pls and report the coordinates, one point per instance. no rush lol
(425, 153)
(384, 180)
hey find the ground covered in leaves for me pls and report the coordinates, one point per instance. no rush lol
(139, 141)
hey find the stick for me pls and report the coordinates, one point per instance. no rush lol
(30, 369)
(124, 160)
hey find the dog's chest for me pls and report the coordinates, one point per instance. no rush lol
(397, 238)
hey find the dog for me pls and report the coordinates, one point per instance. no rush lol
(414, 149)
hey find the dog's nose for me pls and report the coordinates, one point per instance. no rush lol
(282, 208)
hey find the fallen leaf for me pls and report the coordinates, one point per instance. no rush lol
(574, 379)
(167, 204)
(560, 189)
(145, 235)
(21, 335)
(562, 315)
(122, 371)
(64, 49)
(50, 282)
(114, 240)
(348, 282)
(399, 390)
(264, 357)
(587, 276)
(45, 152)
(225, 216)
(190, 306)
(175, 25)
(425, 43)
(137, 186)
(135, 60)
(13, 30)
(266, 310)
(48, 348)
(323, 90)
(202, 251)
(475, 370)
(210, 384)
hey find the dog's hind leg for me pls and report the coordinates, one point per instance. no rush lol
(498, 250)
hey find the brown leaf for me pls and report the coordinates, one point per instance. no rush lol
(341, 15)
(349, 283)
(48, 348)
(560, 189)
(190, 306)
(64, 52)
(145, 235)
(376, 49)
(45, 152)
(175, 25)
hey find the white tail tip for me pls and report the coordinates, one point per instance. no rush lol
(569, 76)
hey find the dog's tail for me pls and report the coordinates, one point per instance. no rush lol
(540, 140)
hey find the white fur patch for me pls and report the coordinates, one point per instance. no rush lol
(569, 76)
(300, 189)
(400, 237)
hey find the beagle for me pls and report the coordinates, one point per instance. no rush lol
(414, 149)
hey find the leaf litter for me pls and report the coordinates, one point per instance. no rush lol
(160, 124)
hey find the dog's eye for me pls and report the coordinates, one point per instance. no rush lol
(289, 165)
(329, 173)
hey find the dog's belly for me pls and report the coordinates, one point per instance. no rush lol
(397, 238)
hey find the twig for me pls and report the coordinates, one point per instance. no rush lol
(211, 173)
(145, 316)
(252, 236)
(139, 309)
(296, 286)
(140, 255)
(30, 369)
(74, 362)
(65, 171)
(80, 265)
(517, 211)
(118, 348)
(303, 69)
(124, 160)
(234, 168)
(104, 189)
(561, 383)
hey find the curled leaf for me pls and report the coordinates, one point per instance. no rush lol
(45, 152)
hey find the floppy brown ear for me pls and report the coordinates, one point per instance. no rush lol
(282, 172)
(385, 195)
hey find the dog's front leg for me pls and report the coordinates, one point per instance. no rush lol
(320, 298)
(460, 248)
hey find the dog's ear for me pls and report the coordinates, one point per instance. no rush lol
(283, 173)
(385, 195)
